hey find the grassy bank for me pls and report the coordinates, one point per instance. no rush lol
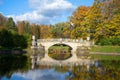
(108, 49)
(104, 57)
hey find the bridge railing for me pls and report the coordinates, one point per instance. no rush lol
(62, 40)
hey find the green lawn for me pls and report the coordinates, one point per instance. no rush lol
(104, 57)
(111, 49)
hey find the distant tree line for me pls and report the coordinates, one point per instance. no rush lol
(101, 22)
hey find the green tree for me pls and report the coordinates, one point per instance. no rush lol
(11, 40)
(57, 30)
(10, 24)
(6, 39)
(38, 32)
(19, 41)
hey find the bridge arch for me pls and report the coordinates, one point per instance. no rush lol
(73, 43)
(47, 45)
(61, 51)
(62, 44)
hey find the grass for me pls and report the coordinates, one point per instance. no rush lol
(107, 49)
(104, 57)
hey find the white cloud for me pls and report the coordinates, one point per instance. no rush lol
(45, 11)
(49, 3)
(30, 16)
(45, 74)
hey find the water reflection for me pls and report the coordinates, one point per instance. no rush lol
(102, 70)
(46, 74)
(18, 67)
(11, 63)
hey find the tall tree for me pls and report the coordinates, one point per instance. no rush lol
(6, 39)
(20, 28)
(45, 31)
(10, 24)
(2, 20)
(67, 28)
(103, 19)
(58, 30)
(27, 27)
(94, 19)
(36, 30)
(24, 27)
(78, 19)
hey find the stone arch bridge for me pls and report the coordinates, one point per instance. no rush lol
(46, 60)
(73, 43)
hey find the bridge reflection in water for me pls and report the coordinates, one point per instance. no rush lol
(46, 60)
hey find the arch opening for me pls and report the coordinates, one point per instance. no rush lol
(60, 51)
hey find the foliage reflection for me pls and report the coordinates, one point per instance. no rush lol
(11, 63)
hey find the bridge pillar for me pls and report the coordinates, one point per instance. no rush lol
(73, 52)
(46, 51)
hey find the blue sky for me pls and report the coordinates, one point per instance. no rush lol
(41, 11)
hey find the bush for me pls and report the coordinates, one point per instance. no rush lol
(105, 41)
(11, 40)
(115, 41)
(109, 41)
(6, 39)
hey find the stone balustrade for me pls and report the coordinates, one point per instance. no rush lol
(62, 40)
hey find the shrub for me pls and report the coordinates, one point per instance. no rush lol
(115, 40)
(105, 41)
(109, 41)
(12, 40)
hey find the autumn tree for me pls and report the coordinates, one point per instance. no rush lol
(20, 28)
(103, 19)
(36, 30)
(24, 27)
(45, 31)
(94, 19)
(67, 29)
(78, 19)
(2, 21)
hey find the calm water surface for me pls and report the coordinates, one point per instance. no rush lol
(18, 67)
(38, 74)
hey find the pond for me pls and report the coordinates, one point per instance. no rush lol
(18, 67)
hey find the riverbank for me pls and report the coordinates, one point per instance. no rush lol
(105, 49)
(105, 56)
(105, 53)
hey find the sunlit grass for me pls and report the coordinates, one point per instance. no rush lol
(112, 49)
(105, 57)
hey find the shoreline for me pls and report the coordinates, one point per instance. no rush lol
(106, 53)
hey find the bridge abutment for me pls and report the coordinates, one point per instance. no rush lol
(46, 51)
